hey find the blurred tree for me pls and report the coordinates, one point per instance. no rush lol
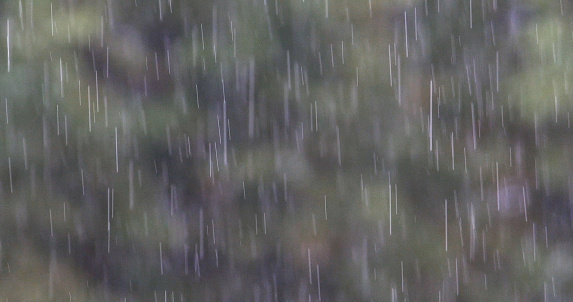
(288, 150)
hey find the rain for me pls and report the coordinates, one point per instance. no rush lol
(286, 150)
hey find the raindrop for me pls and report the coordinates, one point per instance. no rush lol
(325, 212)
(116, 153)
(446, 223)
(161, 257)
(10, 174)
(8, 43)
(309, 267)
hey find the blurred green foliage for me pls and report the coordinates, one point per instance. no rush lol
(285, 150)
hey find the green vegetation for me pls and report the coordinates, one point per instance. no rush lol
(300, 150)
